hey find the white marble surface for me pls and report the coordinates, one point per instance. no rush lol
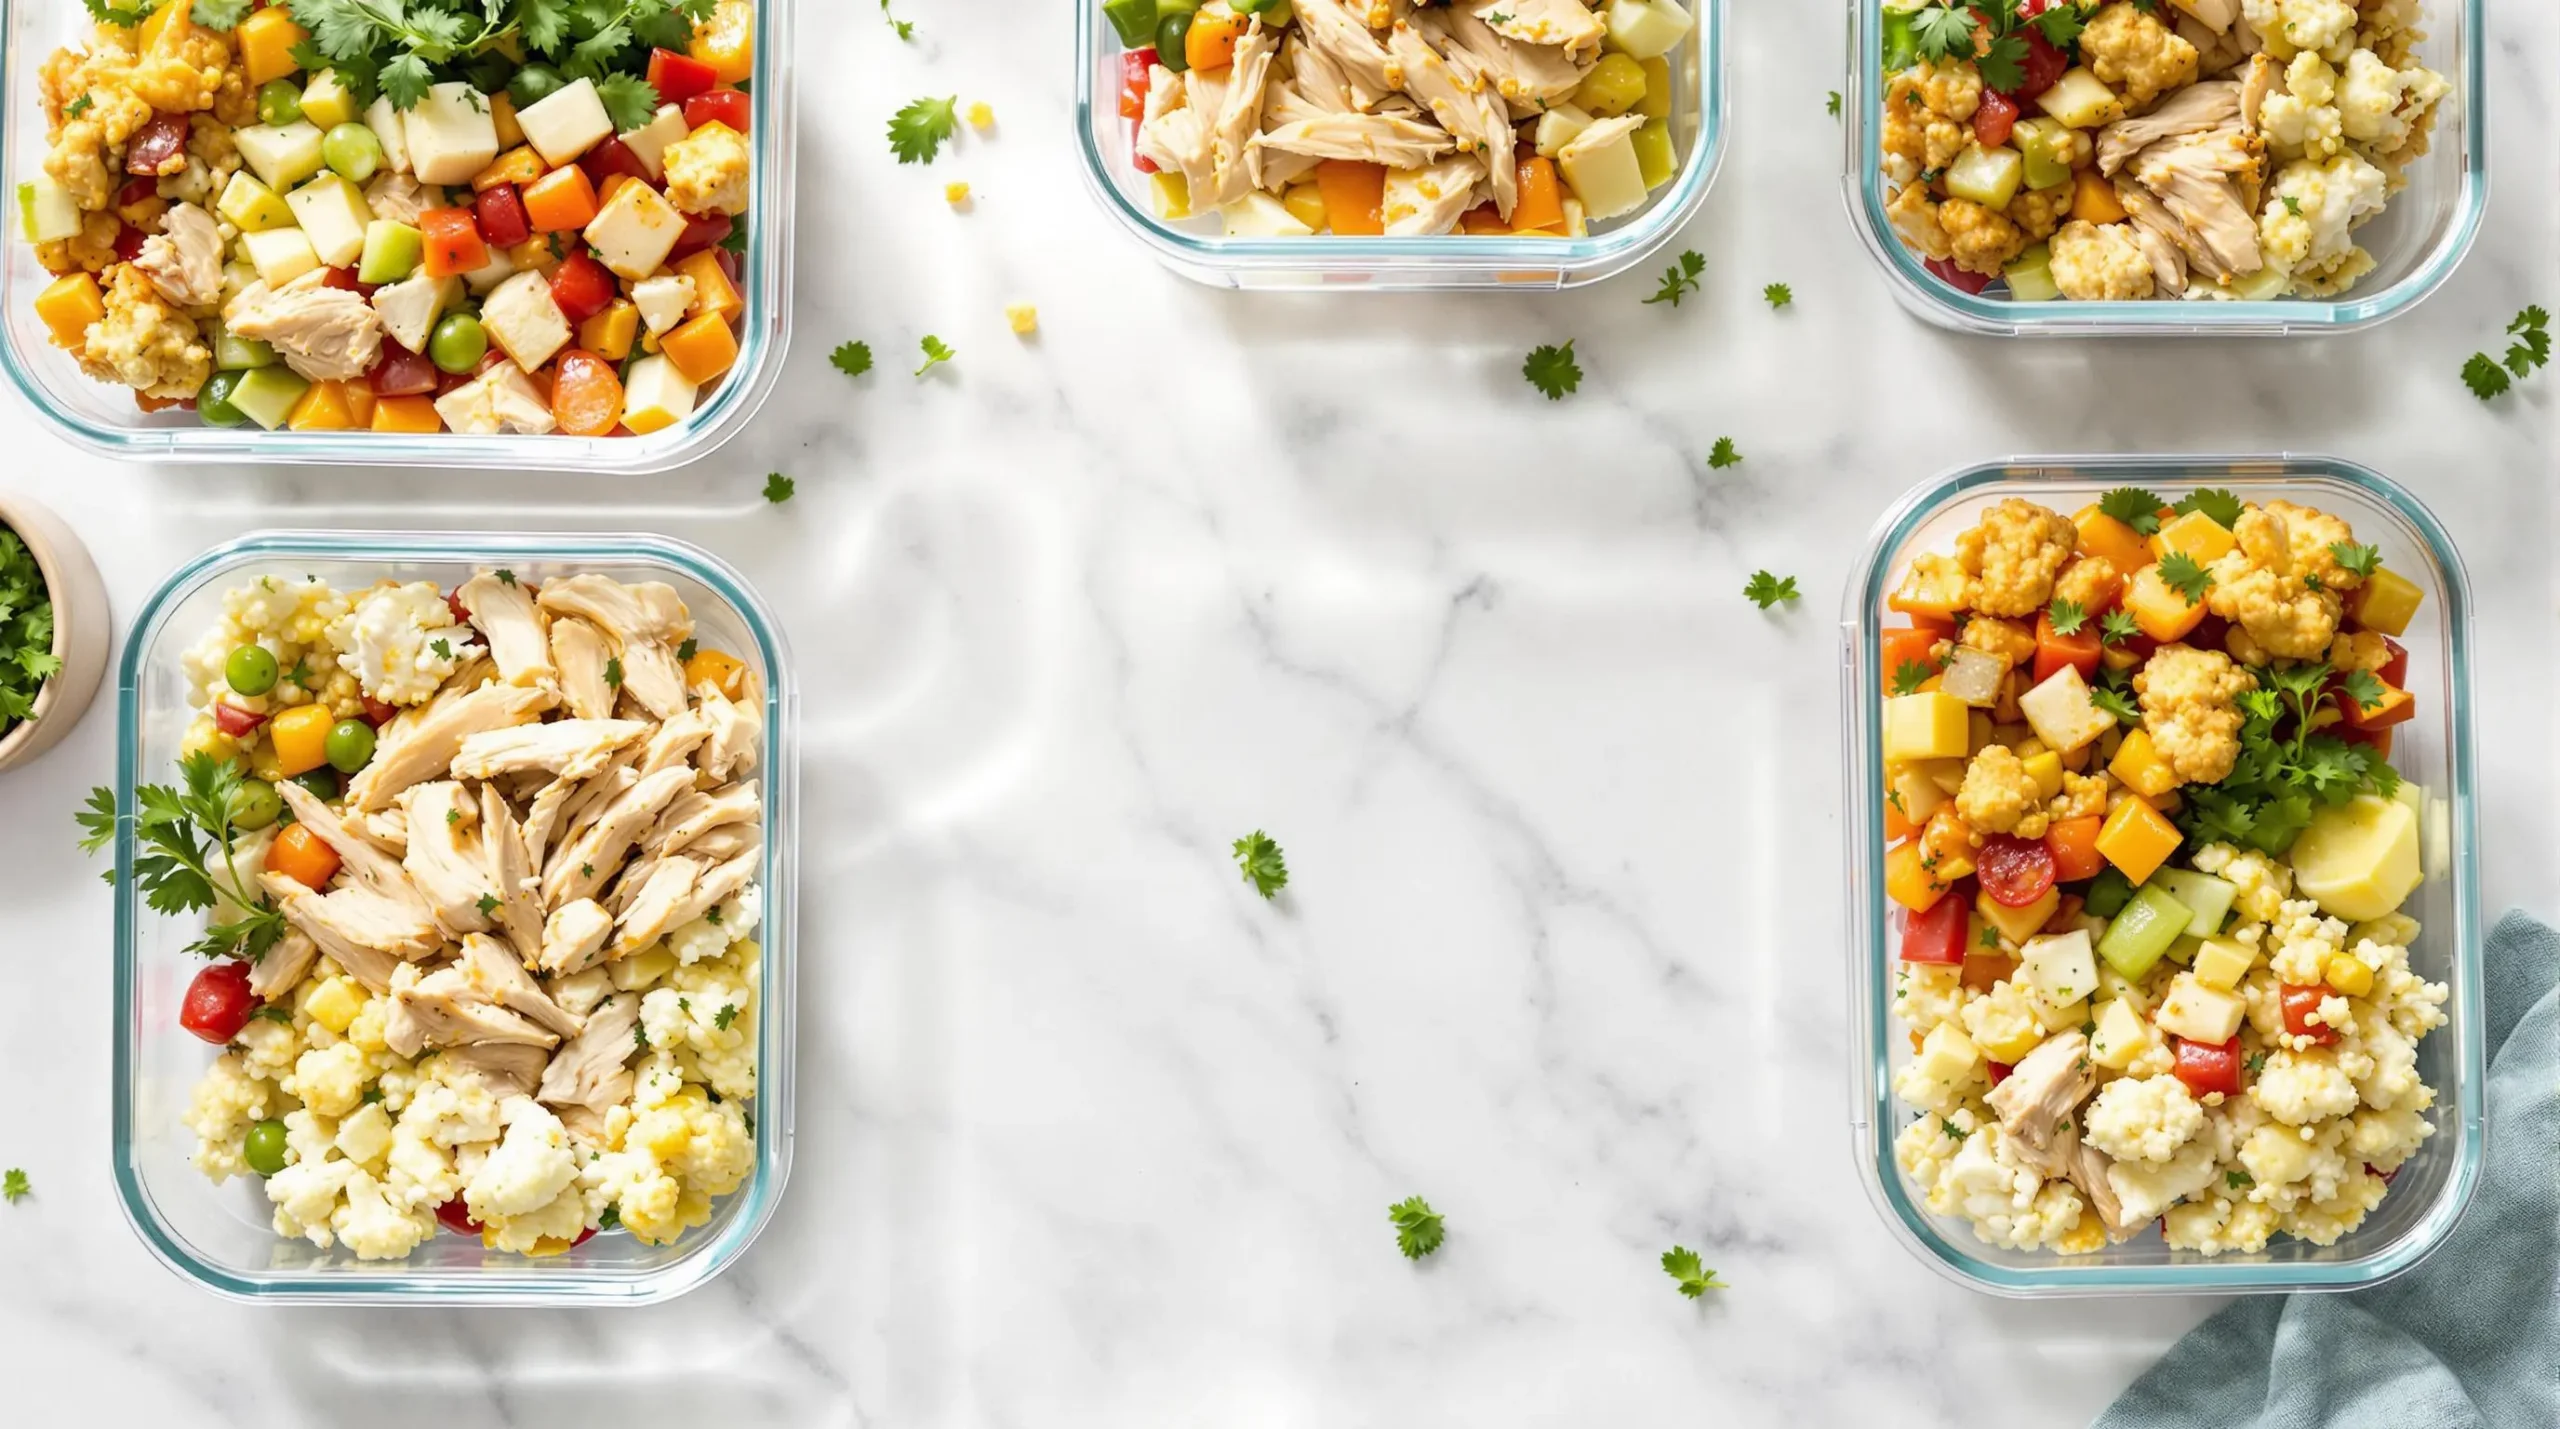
(1088, 1134)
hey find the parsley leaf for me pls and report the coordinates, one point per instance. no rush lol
(2213, 501)
(628, 99)
(2354, 559)
(728, 1013)
(1723, 454)
(2180, 573)
(1553, 371)
(2061, 26)
(487, 905)
(77, 107)
(13, 1185)
(2485, 377)
(1834, 106)
(1683, 1266)
(1419, 1229)
(778, 488)
(2288, 765)
(684, 652)
(918, 131)
(2115, 627)
(906, 28)
(2003, 64)
(183, 854)
(1262, 863)
(613, 672)
(27, 660)
(936, 352)
(1765, 590)
(2237, 1180)
(1909, 676)
(1778, 294)
(2135, 507)
(2067, 617)
(1680, 279)
(1944, 34)
(852, 359)
(2111, 695)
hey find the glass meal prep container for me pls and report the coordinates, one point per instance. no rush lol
(2417, 242)
(220, 1237)
(105, 418)
(1197, 249)
(2434, 750)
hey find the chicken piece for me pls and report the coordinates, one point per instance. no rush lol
(2087, 1170)
(325, 334)
(574, 936)
(2218, 54)
(1238, 116)
(511, 1069)
(2197, 109)
(1339, 32)
(1369, 138)
(696, 813)
(500, 978)
(728, 841)
(281, 967)
(2155, 228)
(737, 738)
(399, 198)
(2168, 261)
(1566, 24)
(2038, 1097)
(504, 612)
(1429, 202)
(2190, 704)
(1174, 133)
(716, 887)
(592, 1070)
(445, 860)
(674, 742)
(1316, 85)
(2255, 87)
(336, 923)
(644, 621)
(184, 259)
(668, 887)
(2132, 50)
(545, 815)
(584, 865)
(581, 993)
(511, 868)
(387, 831)
(2100, 263)
(578, 651)
(1532, 76)
(445, 1008)
(583, 808)
(1469, 107)
(570, 748)
(425, 749)
(2207, 182)
(360, 863)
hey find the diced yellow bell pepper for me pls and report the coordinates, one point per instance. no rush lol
(334, 1003)
(361, 402)
(1909, 882)
(2222, 963)
(2046, 770)
(727, 41)
(322, 408)
(2094, 200)
(68, 305)
(502, 117)
(609, 334)
(301, 734)
(2347, 974)
(712, 290)
(717, 668)
(147, 35)
(1173, 196)
(2139, 767)
(406, 414)
(1925, 726)
(2018, 924)
(1306, 204)
(2104, 535)
(518, 166)
(2197, 535)
(2161, 610)
(267, 39)
(2137, 840)
(1656, 103)
(1023, 318)
(2386, 602)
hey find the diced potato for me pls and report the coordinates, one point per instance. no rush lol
(1918, 789)
(1646, 28)
(566, 123)
(333, 215)
(281, 155)
(2081, 100)
(1607, 177)
(2122, 1035)
(1989, 177)
(2199, 1013)
(656, 397)
(1947, 1055)
(2062, 968)
(450, 134)
(1929, 725)
(1559, 126)
(2222, 963)
(649, 142)
(282, 254)
(2358, 860)
(2061, 1016)
(2062, 713)
(642, 968)
(1259, 215)
(638, 228)
(327, 102)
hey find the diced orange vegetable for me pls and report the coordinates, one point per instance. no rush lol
(612, 185)
(1541, 203)
(68, 305)
(2195, 535)
(586, 396)
(518, 166)
(147, 36)
(1911, 646)
(2161, 610)
(360, 402)
(609, 333)
(2137, 839)
(267, 39)
(2386, 602)
(299, 854)
(1948, 831)
(702, 348)
(454, 244)
(1932, 593)
(502, 117)
(1353, 194)
(2139, 767)
(406, 414)
(1212, 43)
(1986, 971)
(322, 408)
(560, 200)
(2094, 200)
(1897, 827)
(719, 668)
(2104, 535)
(2396, 706)
(1483, 219)
(2074, 846)
(727, 41)
(301, 736)
(2080, 649)
(712, 290)
(149, 403)
(1909, 883)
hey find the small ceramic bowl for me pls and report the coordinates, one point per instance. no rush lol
(81, 627)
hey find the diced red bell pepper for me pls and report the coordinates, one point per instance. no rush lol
(234, 721)
(218, 1003)
(1993, 118)
(2079, 650)
(709, 231)
(583, 1237)
(129, 241)
(1137, 76)
(455, 1216)
(1999, 1071)
(1137, 159)
(720, 106)
(2299, 1003)
(2042, 67)
(1957, 278)
(2395, 668)
(135, 191)
(453, 602)
(582, 287)
(2212, 633)
(379, 713)
(500, 211)
(2207, 1069)
(678, 78)
(728, 262)
(454, 244)
(610, 158)
(1937, 936)
(157, 142)
(402, 373)
(343, 279)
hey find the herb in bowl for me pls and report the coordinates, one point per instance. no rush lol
(26, 632)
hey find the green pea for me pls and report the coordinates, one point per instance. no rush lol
(250, 670)
(323, 783)
(1173, 36)
(350, 745)
(279, 102)
(213, 400)
(256, 805)
(535, 83)
(458, 344)
(264, 1149)
(352, 152)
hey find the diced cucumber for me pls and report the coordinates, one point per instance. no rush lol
(1135, 20)
(1656, 159)
(233, 353)
(2048, 146)
(1901, 42)
(47, 213)
(392, 251)
(267, 394)
(2142, 933)
(1989, 177)
(2030, 276)
(2108, 892)
(2208, 898)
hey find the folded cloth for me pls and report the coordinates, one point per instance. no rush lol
(2470, 1339)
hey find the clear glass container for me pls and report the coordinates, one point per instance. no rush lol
(2417, 242)
(2435, 750)
(104, 418)
(1197, 250)
(220, 1236)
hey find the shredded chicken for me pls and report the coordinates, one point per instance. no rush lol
(593, 1069)
(421, 745)
(578, 651)
(444, 857)
(569, 748)
(644, 621)
(446, 1008)
(511, 1069)
(323, 333)
(505, 614)
(184, 259)
(283, 964)
(1465, 103)
(1376, 138)
(2036, 1101)
(574, 936)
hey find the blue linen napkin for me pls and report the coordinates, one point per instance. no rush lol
(2470, 1339)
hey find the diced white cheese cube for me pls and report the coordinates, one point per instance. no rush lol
(488, 275)
(649, 142)
(2122, 1035)
(451, 134)
(635, 232)
(522, 318)
(656, 397)
(410, 307)
(2199, 1013)
(566, 123)
(280, 255)
(1601, 167)
(1259, 215)
(2060, 967)
(663, 300)
(388, 126)
(498, 400)
(1560, 126)
(333, 214)
(281, 155)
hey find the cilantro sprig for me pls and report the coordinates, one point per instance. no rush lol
(1724, 454)
(13, 1185)
(1552, 370)
(917, 132)
(185, 861)
(1765, 590)
(2489, 377)
(2135, 507)
(1262, 863)
(2067, 617)
(1992, 34)
(852, 359)
(1684, 1267)
(2288, 765)
(1909, 676)
(1419, 1229)
(1778, 295)
(26, 632)
(398, 48)
(2222, 506)
(1680, 279)
(2181, 573)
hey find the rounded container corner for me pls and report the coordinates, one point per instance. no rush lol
(2416, 257)
(2400, 1233)
(627, 1274)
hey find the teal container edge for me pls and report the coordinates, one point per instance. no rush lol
(2446, 1170)
(1401, 264)
(611, 1270)
(2456, 185)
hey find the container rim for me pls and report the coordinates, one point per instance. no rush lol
(1625, 245)
(531, 1282)
(1871, 1136)
(764, 336)
(1934, 301)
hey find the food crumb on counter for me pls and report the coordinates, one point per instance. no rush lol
(982, 116)
(1024, 317)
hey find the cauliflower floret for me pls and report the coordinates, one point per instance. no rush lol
(2147, 1189)
(2257, 587)
(2288, 26)
(2012, 556)
(329, 1080)
(1981, 240)
(2384, 1139)
(2011, 642)
(1953, 91)
(2190, 706)
(2305, 941)
(2100, 263)
(2299, 1088)
(1924, 1148)
(2219, 1223)
(144, 343)
(305, 1193)
(376, 1227)
(1999, 796)
(2142, 1119)
(226, 1102)
(707, 171)
(680, 1150)
(1915, 219)
(2090, 583)
(2312, 210)
(2323, 1221)
(402, 643)
(445, 1113)
(531, 1167)
(2264, 883)
(1916, 136)
(2083, 796)
(2380, 106)
(2300, 119)
(1926, 994)
(2038, 212)
(2009, 1204)
(1945, 1072)
(2004, 1020)
(2137, 54)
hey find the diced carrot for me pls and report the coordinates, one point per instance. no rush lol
(519, 166)
(1896, 826)
(1910, 646)
(712, 290)
(406, 414)
(1212, 43)
(1483, 219)
(321, 408)
(2079, 650)
(2074, 846)
(299, 854)
(702, 348)
(68, 305)
(586, 396)
(454, 244)
(1541, 203)
(560, 200)
(1353, 193)
(718, 668)
(2104, 535)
